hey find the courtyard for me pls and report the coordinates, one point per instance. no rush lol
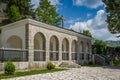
(83, 73)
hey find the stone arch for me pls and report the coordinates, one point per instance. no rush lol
(74, 50)
(74, 46)
(14, 42)
(54, 48)
(65, 49)
(39, 46)
(39, 41)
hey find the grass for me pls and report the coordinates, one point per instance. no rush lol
(32, 72)
(116, 63)
(92, 65)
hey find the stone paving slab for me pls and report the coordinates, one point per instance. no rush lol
(83, 73)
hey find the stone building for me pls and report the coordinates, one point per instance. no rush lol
(34, 43)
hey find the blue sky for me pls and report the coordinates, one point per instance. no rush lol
(84, 15)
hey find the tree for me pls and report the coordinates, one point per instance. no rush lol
(47, 13)
(113, 15)
(99, 47)
(14, 13)
(87, 32)
(18, 9)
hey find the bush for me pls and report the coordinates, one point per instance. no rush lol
(50, 66)
(90, 63)
(9, 68)
(116, 63)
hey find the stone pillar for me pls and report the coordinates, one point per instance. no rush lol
(29, 44)
(47, 49)
(78, 52)
(85, 51)
(90, 51)
(70, 53)
(60, 49)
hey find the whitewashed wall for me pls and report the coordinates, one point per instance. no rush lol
(15, 30)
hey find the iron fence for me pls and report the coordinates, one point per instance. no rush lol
(65, 55)
(39, 55)
(54, 55)
(74, 55)
(13, 54)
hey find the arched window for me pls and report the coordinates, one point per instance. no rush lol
(74, 50)
(14, 42)
(65, 49)
(54, 46)
(39, 47)
(16, 53)
(82, 50)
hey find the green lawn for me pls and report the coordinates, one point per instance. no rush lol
(92, 65)
(32, 72)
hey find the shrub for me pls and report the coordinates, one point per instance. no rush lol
(50, 66)
(116, 63)
(9, 68)
(90, 63)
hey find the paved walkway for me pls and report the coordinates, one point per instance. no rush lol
(84, 73)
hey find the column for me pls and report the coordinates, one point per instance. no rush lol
(78, 52)
(70, 53)
(90, 50)
(29, 44)
(60, 49)
(47, 49)
(85, 51)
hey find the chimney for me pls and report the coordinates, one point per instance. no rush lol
(62, 21)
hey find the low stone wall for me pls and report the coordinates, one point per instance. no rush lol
(31, 65)
(34, 65)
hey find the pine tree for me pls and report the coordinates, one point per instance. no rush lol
(47, 13)
(23, 9)
(113, 15)
(14, 14)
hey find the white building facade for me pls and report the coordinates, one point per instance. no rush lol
(34, 43)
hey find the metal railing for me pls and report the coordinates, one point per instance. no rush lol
(39, 55)
(65, 55)
(54, 55)
(13, 54)
(74, 55)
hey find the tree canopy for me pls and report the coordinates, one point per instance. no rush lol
(18, 9)
(47, 13)
(113, 15)
(87, 32)
(99, 47)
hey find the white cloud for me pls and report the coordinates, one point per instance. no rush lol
(88, 3)
(53, 2)
(97, 26)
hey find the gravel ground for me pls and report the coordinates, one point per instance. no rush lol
(83, 73)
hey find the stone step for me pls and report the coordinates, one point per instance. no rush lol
(69, 65)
